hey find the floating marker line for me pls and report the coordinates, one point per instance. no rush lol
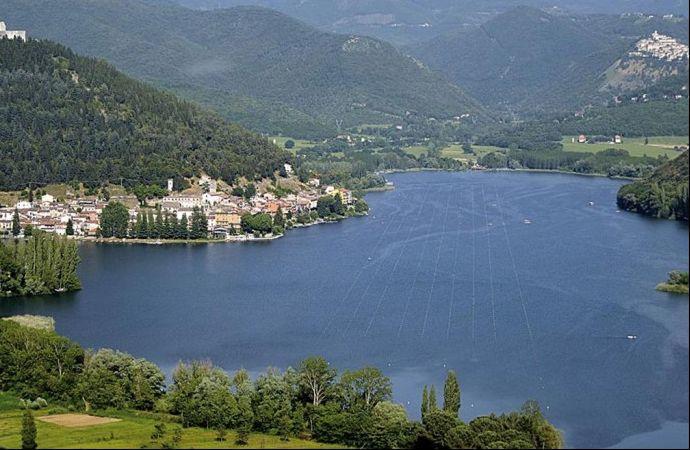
(414, 282)
(438, 258)
(491, 276)
(474, 275)
(454, 274)
(356, 279)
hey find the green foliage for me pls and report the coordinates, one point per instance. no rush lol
(259, 223)
(114, 220)
(28, 431)
(200, 394)
(353, 409)
(98, 126)
(38, 363)
(316, 379)
(40, 265)
(664, 194)
(451, 394)
(655, 118)
(330, 205)
(114, 379)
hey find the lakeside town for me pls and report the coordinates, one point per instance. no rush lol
(222, 209)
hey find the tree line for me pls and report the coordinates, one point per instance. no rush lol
(312, 400)
(115, 223)
(42, 264)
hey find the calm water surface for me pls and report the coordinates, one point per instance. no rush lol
(443, 273)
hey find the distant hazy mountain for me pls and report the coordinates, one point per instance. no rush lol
(408, 21)
(256, 66)
(528, 60)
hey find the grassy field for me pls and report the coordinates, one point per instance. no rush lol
(299, 143)
(133, 431)
(658, 145)
(453, 151)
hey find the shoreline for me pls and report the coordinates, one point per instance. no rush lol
(232, 239)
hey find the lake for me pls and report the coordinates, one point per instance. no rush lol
(444, 273)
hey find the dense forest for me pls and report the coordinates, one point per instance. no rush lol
(68, 118)
(353, 408)
(42, 264)
(664, 194)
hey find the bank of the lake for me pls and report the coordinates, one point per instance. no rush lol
(444, 273)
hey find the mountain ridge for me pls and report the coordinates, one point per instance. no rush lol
(252, 53)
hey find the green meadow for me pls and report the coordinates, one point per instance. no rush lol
(132, 431)
(658, 145)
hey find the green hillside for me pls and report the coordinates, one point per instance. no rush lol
(248, 56)
(664, 194)
(68, 118)
(529, 61)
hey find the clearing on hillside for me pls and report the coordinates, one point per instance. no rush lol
(77, 420)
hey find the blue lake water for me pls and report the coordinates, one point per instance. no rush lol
(443, 273)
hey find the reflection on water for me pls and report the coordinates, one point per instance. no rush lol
(513, 280)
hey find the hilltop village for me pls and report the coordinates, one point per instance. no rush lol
(227, 213)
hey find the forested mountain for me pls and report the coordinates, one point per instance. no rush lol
(664, 194)
(528, 60)
(408, 21)
(67, 118)
(257, 66)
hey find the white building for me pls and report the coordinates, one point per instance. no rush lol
(16, 34)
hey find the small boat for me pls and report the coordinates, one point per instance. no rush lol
(632, 337)
(369, 258)
(591, 203)
(527, 221)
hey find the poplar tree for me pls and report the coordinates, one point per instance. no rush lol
(16, 225)
(433, 406)
(451, 394)
(425, 401)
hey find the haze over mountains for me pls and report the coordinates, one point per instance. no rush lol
(256, 66)
(528, 60)
(408, 21)
(276, 74)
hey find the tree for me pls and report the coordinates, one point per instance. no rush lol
(279, 219)
(365, 388)
(289, 144)
(249, 191)
(28, 430)
(425, 401)
(114, 220)
(467, 148)
(390, 427)
(316, 376)
(16, 224)
(201, 395)
(451, 394)
(183, 232)
(433, 406)
(69, 230)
